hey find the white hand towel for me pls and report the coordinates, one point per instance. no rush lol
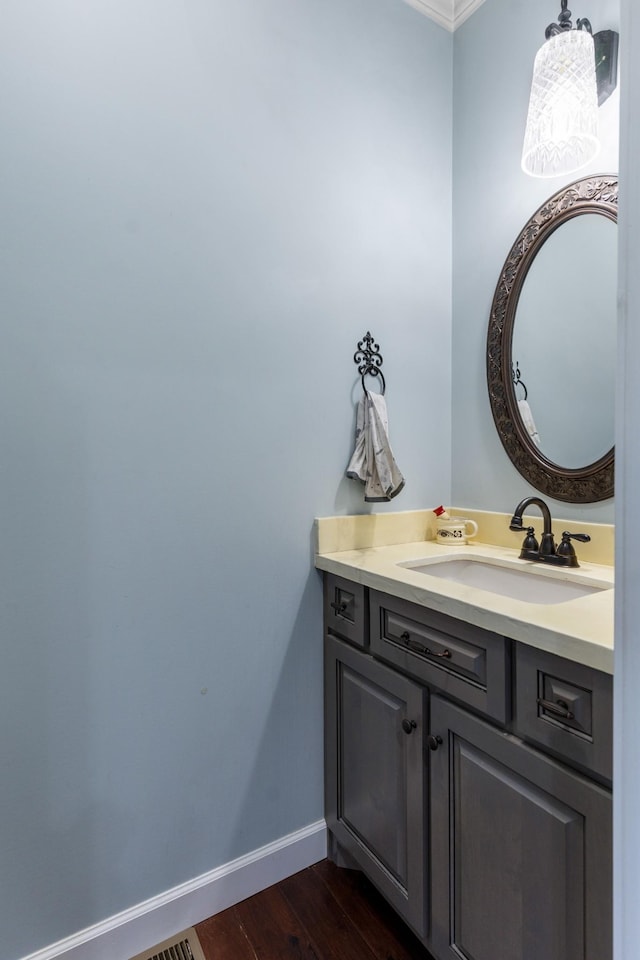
(529, 422)
(373, 462)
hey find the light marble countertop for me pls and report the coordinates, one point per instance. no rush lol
(580, 629)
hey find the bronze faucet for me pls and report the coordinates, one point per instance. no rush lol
(545, 552)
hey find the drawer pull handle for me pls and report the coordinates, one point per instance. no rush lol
(559, 709)
(408, 726)
(339, 607)
(420, 648)
(434, 742)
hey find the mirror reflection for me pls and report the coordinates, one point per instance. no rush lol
(551, 343)
(564, 342)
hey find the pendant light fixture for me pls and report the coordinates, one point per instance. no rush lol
(562, 122)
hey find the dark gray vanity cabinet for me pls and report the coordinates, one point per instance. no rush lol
(525, 843)
(375, 775)
(469, 777)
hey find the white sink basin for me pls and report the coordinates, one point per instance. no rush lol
(532, 584)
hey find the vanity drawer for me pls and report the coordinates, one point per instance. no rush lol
(565, 707)
(345, 609)
(466, 662)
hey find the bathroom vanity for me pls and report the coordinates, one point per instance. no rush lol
(468, 755)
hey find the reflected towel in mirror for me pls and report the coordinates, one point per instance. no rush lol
(528, 421)
(373, 462)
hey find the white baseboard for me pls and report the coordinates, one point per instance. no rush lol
(141, 927)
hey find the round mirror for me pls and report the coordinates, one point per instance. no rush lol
(551, 349)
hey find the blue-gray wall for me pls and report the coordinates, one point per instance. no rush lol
(204, 205)
(492, 200)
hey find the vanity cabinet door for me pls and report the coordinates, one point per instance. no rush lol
(521, 849)
(375, 774)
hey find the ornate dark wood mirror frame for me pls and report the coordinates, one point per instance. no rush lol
(596, 194)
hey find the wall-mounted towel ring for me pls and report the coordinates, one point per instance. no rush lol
(369, 360)
(517, 379)
(372, 462)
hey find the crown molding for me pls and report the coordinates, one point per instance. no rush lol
(448, 13)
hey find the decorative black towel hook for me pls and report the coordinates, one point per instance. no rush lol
(517, 379)
(369, 359)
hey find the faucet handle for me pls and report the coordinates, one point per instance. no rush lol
(517, 526)
(530, 545)
(565, 548)
(582, 537)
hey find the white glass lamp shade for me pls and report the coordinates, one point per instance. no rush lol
(562, 123)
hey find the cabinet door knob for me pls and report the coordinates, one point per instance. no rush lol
(434, 742)
(408, 725)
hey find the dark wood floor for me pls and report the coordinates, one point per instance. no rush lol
(322, 913)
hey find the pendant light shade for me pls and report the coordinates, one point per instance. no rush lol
(562, 122)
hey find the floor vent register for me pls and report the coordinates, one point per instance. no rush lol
(184, 946)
